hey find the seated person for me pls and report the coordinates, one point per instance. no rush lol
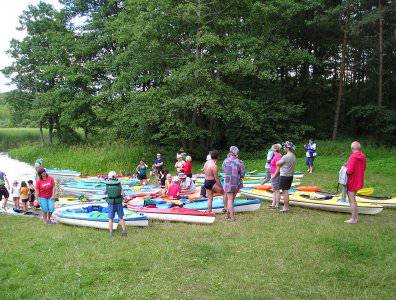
(174, 189)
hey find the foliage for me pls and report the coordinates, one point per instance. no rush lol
(200, 73)
(17, 137)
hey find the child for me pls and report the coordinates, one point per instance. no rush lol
(32, 191)
(163, 175)
(3, 193)
(114, 199)
(187, 168)
(141, 172)
(24, 192)
(15, 193)
(174, 189)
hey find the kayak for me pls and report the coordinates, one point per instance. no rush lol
(240, 205)
(19, 212)
(62, 173)
(175, 214)
(96, 215)
(387, 202)
(328, 203)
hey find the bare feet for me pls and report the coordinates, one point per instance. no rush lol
(351, 221)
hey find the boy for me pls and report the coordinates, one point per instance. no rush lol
(114, 199)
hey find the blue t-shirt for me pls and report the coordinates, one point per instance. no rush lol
(142, 171)
(158, 161)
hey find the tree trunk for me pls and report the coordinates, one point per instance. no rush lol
(381, 53)
(341, 85)
(41, 134)
(50, 128)
(58, 129)
(86, 132)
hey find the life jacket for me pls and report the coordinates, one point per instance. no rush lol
(114, 192)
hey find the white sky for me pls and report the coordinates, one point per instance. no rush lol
(10, 10)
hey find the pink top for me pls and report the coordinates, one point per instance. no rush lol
(356, 167)
(45, 187)
(274, 160)
(173, 191)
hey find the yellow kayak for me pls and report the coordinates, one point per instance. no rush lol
(331, 204)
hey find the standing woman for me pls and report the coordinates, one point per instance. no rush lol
(45, 189)
(179, 165)
(275, 176)
(234, 171)
(141, 172)
(310, 154)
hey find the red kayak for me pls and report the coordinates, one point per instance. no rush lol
(176, 214)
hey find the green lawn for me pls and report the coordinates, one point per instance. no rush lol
(304, 254)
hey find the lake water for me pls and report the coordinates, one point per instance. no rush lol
(15, 169)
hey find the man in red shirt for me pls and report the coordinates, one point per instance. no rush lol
(356, 166)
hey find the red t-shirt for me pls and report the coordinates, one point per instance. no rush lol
(187, 168)
(45, 187)
(173, 190)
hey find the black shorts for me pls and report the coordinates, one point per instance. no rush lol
(208, 184)
(32, 198)
(142, 177)
(4, 192)
(25, 200)
(285, 182)
(189, 175)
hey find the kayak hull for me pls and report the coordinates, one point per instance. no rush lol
(324, 205)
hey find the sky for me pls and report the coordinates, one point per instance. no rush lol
(10, 10)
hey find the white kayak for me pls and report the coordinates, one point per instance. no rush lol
(332, 204)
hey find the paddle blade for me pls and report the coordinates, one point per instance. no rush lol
(366, 191)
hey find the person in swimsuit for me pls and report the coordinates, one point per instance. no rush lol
(32, 191)
(212, 182)
(141, 172)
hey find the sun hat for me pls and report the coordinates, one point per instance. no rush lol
(234, 150)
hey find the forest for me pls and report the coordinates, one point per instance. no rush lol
(206, 73)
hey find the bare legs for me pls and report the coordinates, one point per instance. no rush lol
(16, 202)
(275, 199)
(285, 194)
(216, 189)
(354, 207)
(5, 203)
(230, 206)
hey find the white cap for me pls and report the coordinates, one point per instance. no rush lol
(175, 179)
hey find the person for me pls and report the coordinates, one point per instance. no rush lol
(159, 165)
(179, 165)
(38, 164)
(310, 154)
(24, 191)
(174, 189)
(4, 193)
(141, 171)
(4, 178)
(270, 156)
(286, 166)
(45, 189)
(114, 200)
(356, 167)
(186, 182)
(32, 191)
(212, 181)
(168, 182)
(275, 177)
(187, 168)
(182, 153)
(162, 177)
(203, 190)
(234, 171)
(15, 193)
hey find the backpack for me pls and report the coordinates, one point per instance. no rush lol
(342, 176)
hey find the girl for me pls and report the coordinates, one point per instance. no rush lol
(187, 168)
(141, 172)
(275, 178)
(24, 192)
(168, 182)
(45, 187)
(174, 189)
(32, 191)
(15, 193)
(163, 175)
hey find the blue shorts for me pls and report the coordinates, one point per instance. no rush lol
(47, 204)
(113, 208)
(310, 161)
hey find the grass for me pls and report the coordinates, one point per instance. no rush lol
(304, 254)
(16, 137)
